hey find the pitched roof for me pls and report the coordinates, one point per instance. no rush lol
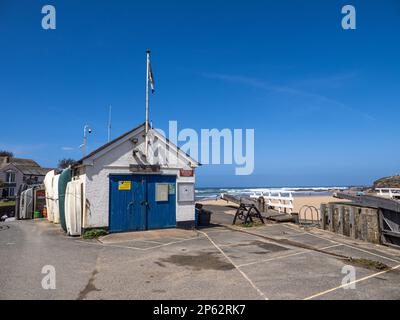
(32, 170)
(123, 136)
(18, 161)
(25, 166)
(24, 162)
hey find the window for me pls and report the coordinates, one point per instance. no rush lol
(11, 192)
(10, 176)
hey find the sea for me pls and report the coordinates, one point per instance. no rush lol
(215, 193)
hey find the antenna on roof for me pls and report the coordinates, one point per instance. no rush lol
(109, 123)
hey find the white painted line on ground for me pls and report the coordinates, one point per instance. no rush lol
(152, 241)
(136, 248)
(295, 235)
(236, 267)
(309, 233)
(123, 247)
(174, 242)
(286, 256)
(180, 238)
(350, 246)
(352, 282)
(219, 230)
(106, 245)
(132, 240)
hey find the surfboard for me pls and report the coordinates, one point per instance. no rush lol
(65, 177)
(48, 184)
(73, 210)
(56, 211)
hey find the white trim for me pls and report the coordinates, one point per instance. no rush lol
(168, 143)
(91, 158)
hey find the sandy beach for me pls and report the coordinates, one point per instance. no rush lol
(299, 201)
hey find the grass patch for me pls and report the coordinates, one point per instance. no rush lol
(94, 233)
(369, 264)
(7, 203)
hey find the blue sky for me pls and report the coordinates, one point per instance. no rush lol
(324, 102)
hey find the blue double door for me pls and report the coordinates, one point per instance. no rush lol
(142, 202)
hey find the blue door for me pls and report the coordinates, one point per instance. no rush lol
(127, 203)
(142, 202)
(161, 211)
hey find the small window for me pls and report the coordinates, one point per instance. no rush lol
(11, 192)
(10, 176)
(162, 192)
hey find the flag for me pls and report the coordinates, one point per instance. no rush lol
(151, 79)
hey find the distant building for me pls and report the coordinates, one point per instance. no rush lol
(17, 171)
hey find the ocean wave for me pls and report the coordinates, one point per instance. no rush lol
(212, 193)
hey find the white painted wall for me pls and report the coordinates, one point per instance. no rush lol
(115, 159)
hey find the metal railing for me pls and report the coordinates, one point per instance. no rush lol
(309, 215)
(391, 193)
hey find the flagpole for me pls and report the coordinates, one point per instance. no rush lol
(147, 101)
(109, 124)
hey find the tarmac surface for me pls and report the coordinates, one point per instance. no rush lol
(275, 261)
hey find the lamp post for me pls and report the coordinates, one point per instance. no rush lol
(86, 129)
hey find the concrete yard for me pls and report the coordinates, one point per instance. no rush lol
(276, 261)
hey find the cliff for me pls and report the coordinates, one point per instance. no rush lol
(387, 182)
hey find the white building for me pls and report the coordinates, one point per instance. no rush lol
(125, 190)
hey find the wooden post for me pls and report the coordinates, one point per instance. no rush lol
(323, 215)
(353, 222)
(331, 209)
(341, 220)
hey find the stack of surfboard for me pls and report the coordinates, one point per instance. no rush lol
(64, 201)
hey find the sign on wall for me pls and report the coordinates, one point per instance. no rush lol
(186, 192)
(172, 188)
(186, 173)
(144, 168)
(124, 185)
(162, 190)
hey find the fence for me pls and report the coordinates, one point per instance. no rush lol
(391, 193)
(351, 220)
(281, 200)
